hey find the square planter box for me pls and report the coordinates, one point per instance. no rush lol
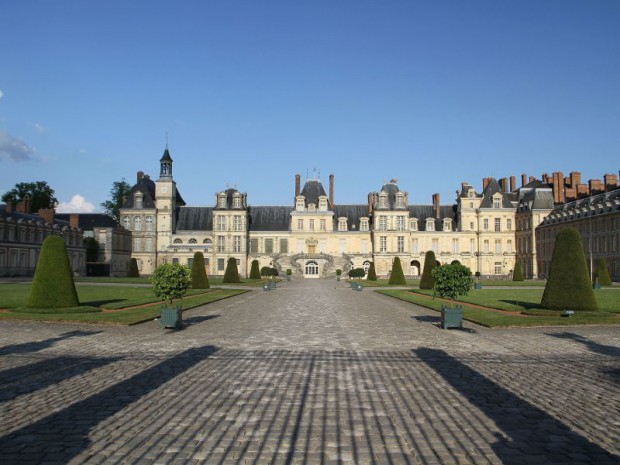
(451, 317)
(171, 318)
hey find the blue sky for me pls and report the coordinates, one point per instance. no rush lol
(431, 93)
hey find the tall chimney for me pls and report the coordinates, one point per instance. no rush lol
(523, 179)
(74, 220)
(297, 185)
(575, 178)
(369, 203)
(611, 181)
(436, 205)
(513, 184)
(331, 190)
(10, 206)
(558, 187)
(504, 184)
(596, 186)
(485, 183)
(139, 176)
(532, 179)
(47, 215)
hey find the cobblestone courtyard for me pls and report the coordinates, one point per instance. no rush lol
(311, 373)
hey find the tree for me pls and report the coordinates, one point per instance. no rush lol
(397, 276)
(254, 271)
(568, 285)
(517, 274)
(430, 262)
(265, 272)
(602, 273)
(170, 281)
(132, 270)
(53, 285)
(357, 273)
(92, 249)
(199, 275)
(372, 275)
(120, 190)
(231, 275)
(451, 281)
(41, 195)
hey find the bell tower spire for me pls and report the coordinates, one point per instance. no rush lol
(165, 165)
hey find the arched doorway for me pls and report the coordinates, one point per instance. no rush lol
(311, 269)
(414, 268)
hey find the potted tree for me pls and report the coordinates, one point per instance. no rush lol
(170, 281)
(338, 274)
(289, 272)
(450, 282)
(478, 283)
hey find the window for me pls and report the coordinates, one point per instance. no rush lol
(498, 224)
(430, 224)
(149, 223)
(312, 268)
(221, 200)
(237, 223)
(364, 245)
(299, 204)
(382, 244)
(456, 247)
(400, 244)
(497, 203)
(342, 224)
(192, 241)
(400, 200)
(498, 246)
(323, 246)
(177, 241)
(220, 264)
(509, 244)
(471, 226)
(254, 245)
(413, 224)
(190, 262)
(137, 223)
(175, 260)
(300, 224)
(126, 223)
(363, 224)
(138, 201)
(138, 244)
(472, 246)
(323, 204)
(487, 248)
(300, 246)
(237, 244)
(311, 225)
(269, 245)
(436, 245)
(237, 200)
(283, 245)
(485, 224)
(400, 223)
(383, 223)
(509, 224)
(149, 244)
(221, 244)
(414, 246)
(343, 245)
(221, 223)
(498, 267)
(447, 224)
(383, 200)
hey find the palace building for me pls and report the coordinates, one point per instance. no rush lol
(315, 236)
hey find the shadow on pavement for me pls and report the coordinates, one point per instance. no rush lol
(40, 345)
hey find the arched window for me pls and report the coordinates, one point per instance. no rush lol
(177, 241)
(193, 241)
(126, 223)
(312, 268)
(137, 222)
(207, 241)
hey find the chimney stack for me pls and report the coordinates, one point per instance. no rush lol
(485, 183)
(297, 185)
(611, 182)
(596, 186)
(74, 220)
(331, 190)
(575, 178)
(369, 203)
(513, 184)
(10, 206)
(139, 176)
(47, 215)
(558, 187)
(523, 179)
(504, 184)
(532, 179)
(436, 205)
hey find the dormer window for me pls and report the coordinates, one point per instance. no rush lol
(430, 224)
(363, 224)
(323, 203)
(221, 200)
(299, 204)
(497, 202)
(137, 201)
(342, 224)
(447, 224)
(471, 193)
(383, 200)
(413, 224)
(237, 200)
(400, 200)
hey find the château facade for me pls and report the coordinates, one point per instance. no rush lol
(315, 236)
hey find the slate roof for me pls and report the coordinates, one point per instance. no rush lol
(540, 198)
(423, 212)
(147, 187)
(229, 199)
(29, 217)
(312, 190)
(391, 189)
(194, 218)
(269, 218)
(89, 221)
(353, 214)
(508, 198)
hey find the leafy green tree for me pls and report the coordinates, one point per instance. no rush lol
(92, 249)
(112, 207)
(171, 281)
(602, 272)
(132, 270)
(372, 275)
(430, 262)
(517, 274)
(357, 273)
(568, 285)
(265, 271)
(231, 275)
(41, 195)
(451, 281)
(53, 285)
(397, 276)
(254, 271)
(199, 274)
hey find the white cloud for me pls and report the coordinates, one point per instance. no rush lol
(77, 204)
(40, 129)
(14, 149)
(1, 94)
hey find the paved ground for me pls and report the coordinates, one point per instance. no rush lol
(311, 373)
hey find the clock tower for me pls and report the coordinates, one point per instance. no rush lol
(165, 202)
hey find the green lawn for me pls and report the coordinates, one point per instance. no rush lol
(485, 283)
(103, 304)
(143, 280)
(524, 301)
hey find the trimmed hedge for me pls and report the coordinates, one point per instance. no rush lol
(397, 276)
(357, 273)
(517, 274)
(430, 262)
(132, 270)
(53, 285)
(568, 285)
(199, 274)
(372, 274)
(602, 273)
(254, 270)
(231, 275)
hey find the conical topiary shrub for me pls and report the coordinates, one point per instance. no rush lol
(517, 274)
(132, 270)
(199, 274)
(568, 285)
(53, 285)
(397, 276)
(602, 273)
(231, 275)
(254, 270)
(430, 262)
(372, 274)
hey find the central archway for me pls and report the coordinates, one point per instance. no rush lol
(311, 269)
